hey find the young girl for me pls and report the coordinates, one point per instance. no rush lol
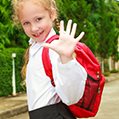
(44, 100)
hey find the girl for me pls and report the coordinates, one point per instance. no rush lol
(45, 101)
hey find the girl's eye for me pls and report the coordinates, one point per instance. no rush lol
(38, 19)
(26, 23)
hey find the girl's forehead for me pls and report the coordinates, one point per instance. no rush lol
(29, 9)
(36, 2)
(30, 4)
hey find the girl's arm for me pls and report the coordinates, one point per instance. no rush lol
(69, 79)
(69, 75)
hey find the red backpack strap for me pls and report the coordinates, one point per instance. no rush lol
(46, 60)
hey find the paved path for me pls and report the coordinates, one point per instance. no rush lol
(12, 105)
(21, 116)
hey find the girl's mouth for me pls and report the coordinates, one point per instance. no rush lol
(37, 35)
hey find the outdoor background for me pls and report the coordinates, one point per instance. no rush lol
(99, 19)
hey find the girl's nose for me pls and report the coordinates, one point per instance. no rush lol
(34, 28)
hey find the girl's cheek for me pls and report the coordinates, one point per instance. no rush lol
(26, 29)
(27, 32)
(23, 28)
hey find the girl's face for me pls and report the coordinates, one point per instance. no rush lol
(36, 20)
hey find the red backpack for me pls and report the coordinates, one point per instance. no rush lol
(88, 105)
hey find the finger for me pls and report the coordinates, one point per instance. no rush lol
(61, 26)
(80, 36)
(73, 30)
(68, 28)
(50, 46)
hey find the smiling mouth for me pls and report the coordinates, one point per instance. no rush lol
(37, 35)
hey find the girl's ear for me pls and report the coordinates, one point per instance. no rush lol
(53, 14)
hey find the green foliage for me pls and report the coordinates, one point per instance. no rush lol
(99, 19)
(4, 20)
(105, 18)
(6, 70)
(91, 37)
(106, 73)
(10, 36)
(80, 12)
(74, 10)
(108, 29)
(114, 71)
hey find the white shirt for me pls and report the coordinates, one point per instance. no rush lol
(69, 79)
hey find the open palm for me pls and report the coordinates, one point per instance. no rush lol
(66, 44)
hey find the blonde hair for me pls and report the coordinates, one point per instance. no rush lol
(26, 59)
(17, 6)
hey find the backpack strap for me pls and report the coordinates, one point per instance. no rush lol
(46, 59)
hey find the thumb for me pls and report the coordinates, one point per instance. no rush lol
(80, 36)
(46, 45)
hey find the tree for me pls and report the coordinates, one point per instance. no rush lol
(79, 11)
(5, 23)
(10, 36)
(108, 29)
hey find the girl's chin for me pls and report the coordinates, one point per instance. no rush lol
(38, 39)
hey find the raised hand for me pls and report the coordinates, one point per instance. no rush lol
(65, 46)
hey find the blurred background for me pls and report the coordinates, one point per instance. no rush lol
(99, 19)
